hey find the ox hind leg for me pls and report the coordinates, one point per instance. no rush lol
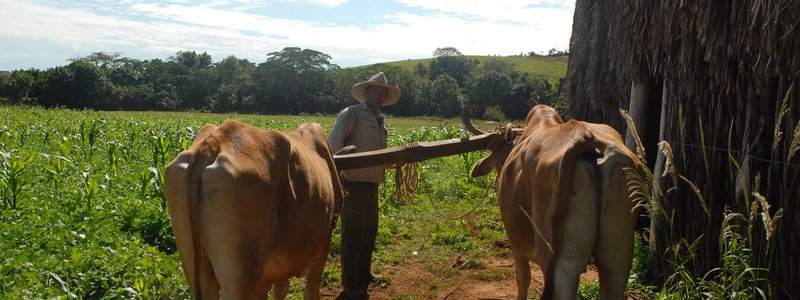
(280, 289)
(614, 249)
(314, 279)
(315, 270)
(523, 275)
(578, 234)
(209, 283)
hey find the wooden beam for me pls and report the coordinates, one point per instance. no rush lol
(416, 152)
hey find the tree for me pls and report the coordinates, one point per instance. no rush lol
(101, 59)
(195, 79)
(235, 84)
(160, 78)
(224, 99)
(292, 80)
(191, 59)
(492, 85)
(19, 86)
(450, 61)
(527, 91)
(420, 70)
(53, 87)
(447, 52)
(127, 72)
(90, 88)
(445, 97)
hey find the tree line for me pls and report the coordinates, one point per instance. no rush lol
(290, 81)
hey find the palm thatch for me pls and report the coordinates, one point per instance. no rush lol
(724, 72)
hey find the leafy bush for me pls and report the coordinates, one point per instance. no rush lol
(589, 290)
(493, 113)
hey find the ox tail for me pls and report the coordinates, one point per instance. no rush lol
(585, 146)
(194, 172)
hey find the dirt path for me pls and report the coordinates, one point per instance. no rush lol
(495, 280)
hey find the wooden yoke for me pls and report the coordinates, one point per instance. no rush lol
(416, 152)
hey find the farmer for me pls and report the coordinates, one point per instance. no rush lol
(361, 125)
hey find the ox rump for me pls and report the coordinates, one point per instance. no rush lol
(563, 198)
(251, 208)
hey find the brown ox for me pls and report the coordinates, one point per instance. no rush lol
(251, 208)
(563, 199)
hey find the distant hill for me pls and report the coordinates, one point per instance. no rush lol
(552, 68)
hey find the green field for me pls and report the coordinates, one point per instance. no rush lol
(83, 213)
(551, 68)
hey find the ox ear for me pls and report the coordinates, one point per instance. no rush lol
(484, 166)
(494, 160)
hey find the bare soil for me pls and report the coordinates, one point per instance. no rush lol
(493, 280)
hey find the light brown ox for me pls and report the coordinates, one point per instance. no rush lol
(563, 199)
(251, 208)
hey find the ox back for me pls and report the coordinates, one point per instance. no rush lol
(563, 199)
(251, 208)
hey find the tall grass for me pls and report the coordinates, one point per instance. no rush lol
(742, 272)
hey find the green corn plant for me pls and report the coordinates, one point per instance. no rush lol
(57, 167)
(12, 138)
(89, 132)
(64, 147)
(89, 189)
(151, 183)
(132, 130)
(186, 138)
(13, 179)
(164, 146)
(3, 138)
(46, 132)
(112, 157)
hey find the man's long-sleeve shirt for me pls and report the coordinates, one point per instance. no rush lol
(358, 125)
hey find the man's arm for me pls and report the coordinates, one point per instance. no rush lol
(341, 129)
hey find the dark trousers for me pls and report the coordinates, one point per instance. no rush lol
(359, 229)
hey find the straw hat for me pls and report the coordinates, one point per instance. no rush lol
(359, 90)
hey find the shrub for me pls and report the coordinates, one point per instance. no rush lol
(493, 113)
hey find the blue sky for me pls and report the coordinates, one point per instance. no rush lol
(43, 34)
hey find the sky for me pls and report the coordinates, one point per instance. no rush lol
(44, 34)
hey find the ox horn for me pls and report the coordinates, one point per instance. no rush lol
(466, 110)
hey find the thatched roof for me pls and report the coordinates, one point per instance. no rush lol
(728, 47)
(725, 68)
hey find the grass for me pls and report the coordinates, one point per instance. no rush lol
(551, 68)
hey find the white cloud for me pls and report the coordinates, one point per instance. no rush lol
(329, 3)
(524, 11)
(474, 27)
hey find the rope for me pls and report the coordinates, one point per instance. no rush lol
(406, 177)
(406, 181)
